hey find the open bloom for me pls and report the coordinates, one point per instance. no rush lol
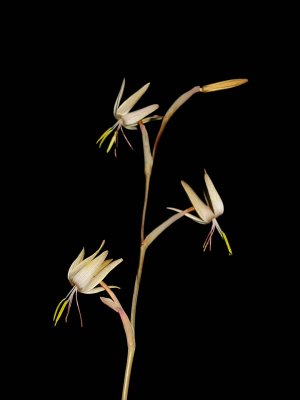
(85, 275)
(207, 213)
(126, 118)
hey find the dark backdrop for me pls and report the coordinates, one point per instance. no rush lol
(201, 316)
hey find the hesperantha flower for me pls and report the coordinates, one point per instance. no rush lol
(85, 275)
(126, 118)
(207, 213)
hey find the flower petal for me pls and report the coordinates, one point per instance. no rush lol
(78, 260)
(83, 278)
(75, 268)
(214, 197)
(204, 212)
(138, 115)
(101, 275)
(97, 267)
(127, 105)
(191, 216)
(152, 118)
(117, 102)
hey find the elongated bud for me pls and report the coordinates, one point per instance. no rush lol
(228, 84)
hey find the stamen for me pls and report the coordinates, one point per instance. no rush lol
(129, 144)
(107, 133)
(71, 295)
(112, 141)
(78, 308)
(224, 237)
(104, 136)
(62, 305)
(208, 240)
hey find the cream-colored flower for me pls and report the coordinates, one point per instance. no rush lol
(207, 213)
(128, 119)
(85, 275)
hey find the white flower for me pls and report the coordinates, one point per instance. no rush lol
(207, 213)
(125, 118)
(85, 275)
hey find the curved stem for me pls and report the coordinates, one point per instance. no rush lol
(131, 346)
(147, 185)
(174, 107)
(137, 285)
(130, 336)
(228, 84)
(148, 164)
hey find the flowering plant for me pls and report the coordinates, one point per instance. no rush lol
(86, 275)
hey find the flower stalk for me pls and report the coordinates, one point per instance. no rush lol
(86, 275)
(114, 303)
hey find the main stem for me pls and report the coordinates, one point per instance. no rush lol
(143, 247)
(137, 285)
(148, 164)
(131, 349)
(130, 355)
(148, 159)
(129, 331)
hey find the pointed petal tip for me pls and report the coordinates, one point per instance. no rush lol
(127, 105)
(214, 197)
(184, 184)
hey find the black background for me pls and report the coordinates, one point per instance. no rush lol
(201, 316)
